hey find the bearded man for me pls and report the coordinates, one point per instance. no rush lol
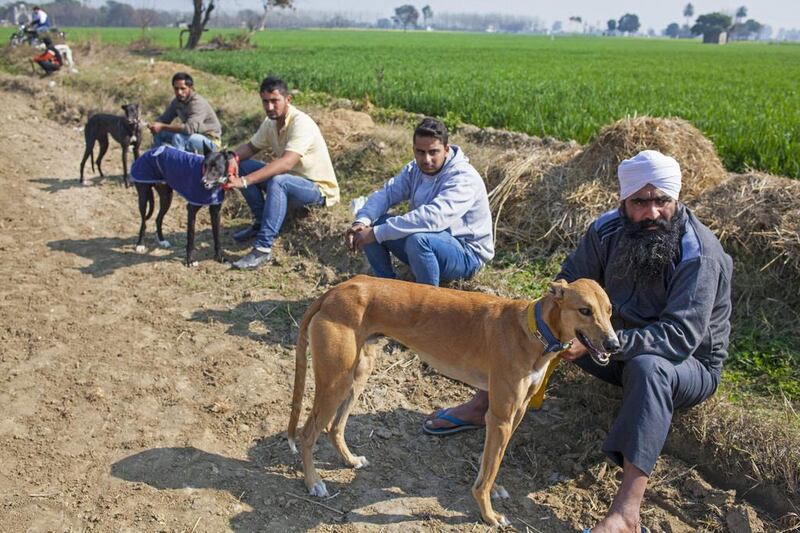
(669, 281)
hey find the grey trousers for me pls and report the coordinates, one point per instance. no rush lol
(652, 388)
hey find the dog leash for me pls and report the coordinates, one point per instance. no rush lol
(540, 330)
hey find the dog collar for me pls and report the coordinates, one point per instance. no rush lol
(540, 330)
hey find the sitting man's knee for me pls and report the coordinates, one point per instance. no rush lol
(647, 366)
(417, 242)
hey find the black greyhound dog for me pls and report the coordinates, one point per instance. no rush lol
(124, 130)
(200, 180)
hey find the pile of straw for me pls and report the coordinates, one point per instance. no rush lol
(757, 218)
(547, 200)
(675, 137)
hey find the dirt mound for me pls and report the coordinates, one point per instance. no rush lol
(757, 217)
(547, 200)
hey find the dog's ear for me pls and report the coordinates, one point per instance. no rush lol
(557, 289)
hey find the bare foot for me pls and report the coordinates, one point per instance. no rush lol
(471, 412)
(616, 523)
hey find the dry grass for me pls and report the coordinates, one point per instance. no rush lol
(700, 165)
(548, 199)
(757, 451)
(757, 217)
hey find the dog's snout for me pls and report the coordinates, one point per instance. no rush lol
(611, 344)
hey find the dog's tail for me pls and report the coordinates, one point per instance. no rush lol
(300, 368)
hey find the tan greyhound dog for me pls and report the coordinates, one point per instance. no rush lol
(494, 344)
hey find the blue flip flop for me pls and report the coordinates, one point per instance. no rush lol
(458, 424)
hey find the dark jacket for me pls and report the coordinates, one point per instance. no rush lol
(196, 114)
(684, 314)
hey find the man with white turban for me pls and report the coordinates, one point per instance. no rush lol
(668, 279)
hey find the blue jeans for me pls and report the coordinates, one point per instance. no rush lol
(431, 256)
(188, 143)
(269, 200)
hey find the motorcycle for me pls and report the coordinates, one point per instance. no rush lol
(32, 37)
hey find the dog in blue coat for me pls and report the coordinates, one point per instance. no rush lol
(199, 179)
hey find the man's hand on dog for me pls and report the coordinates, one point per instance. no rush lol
(155, 127)
(357, 236)
(575, 351)
(235, 182)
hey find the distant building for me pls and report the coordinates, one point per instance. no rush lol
(715, 37)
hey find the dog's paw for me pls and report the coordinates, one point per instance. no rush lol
(140, 248)
(318, 489)
(292, 446)
(192, 263)
(165, 244)
(499, 493)
(503, 521)
(360, 462)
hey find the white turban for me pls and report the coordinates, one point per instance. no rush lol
(649, 167)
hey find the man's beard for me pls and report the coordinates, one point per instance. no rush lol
(644, 254)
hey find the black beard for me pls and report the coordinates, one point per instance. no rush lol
(645, 254)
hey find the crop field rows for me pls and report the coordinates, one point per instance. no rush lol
(743, 96)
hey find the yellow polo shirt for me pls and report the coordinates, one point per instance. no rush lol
(301, 135)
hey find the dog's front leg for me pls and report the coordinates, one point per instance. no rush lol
(192, 210)
(504, 403)
(164, 202)
(125, 165)
(215, 212)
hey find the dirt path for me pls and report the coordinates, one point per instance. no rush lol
(140, 395)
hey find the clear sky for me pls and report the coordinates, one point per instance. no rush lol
(652, 14)
(776, 13)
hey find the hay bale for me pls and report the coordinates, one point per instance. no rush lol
(547, 200)
(675, 137)
(339, 126)
(756, 216)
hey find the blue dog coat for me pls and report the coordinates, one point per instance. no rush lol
(180, 170)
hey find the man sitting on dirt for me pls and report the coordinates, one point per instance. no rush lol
(301, 173)
(668, 279)
(200, 126)
(50, 60)
(447, 234)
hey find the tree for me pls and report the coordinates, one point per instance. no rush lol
(711, 25)
(688, 13)
(406, 15)
(200, 16)
(741, 14)
(118, 14)
(628, 23)
(673, 30)
(266, 5)
(427, 14)
(612, 25)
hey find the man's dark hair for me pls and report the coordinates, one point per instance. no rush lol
(35, 8)
(184, 77)
(47, 41)
(431, 127)
(272, 83)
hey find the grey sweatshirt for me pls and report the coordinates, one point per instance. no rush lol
(453, 200)
(685, 314)
(196, 114)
